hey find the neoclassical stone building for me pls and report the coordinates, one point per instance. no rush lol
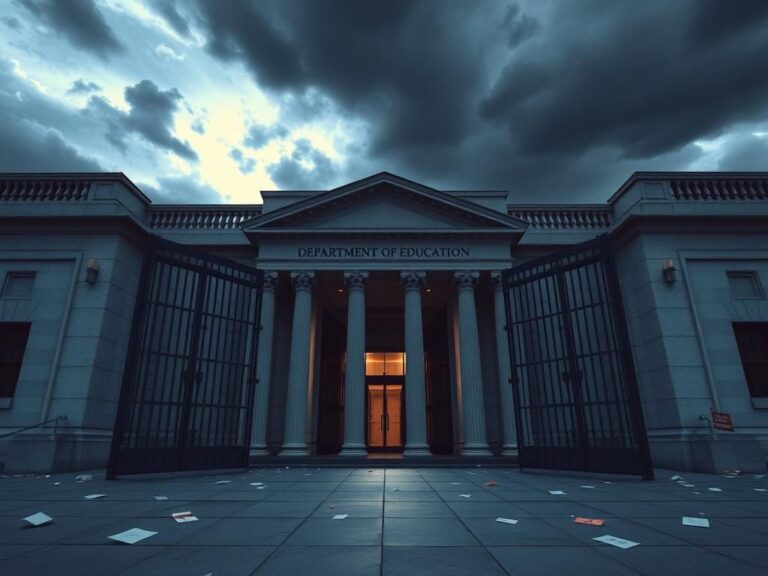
(384, 317)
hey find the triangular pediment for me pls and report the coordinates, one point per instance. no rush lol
(383, 204)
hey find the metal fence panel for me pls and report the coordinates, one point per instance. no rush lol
(576, 397)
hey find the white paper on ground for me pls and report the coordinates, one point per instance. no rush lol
(760, 489)
(557, 493)
(455, 483)
(132, 536)
(465, 495)
(161, 497)
(224, 482)
(715, 489)
(506, 520)
(700, 522)
(340, 517)
(257, 483)
(260, 487)
(395, 489)
(585, 486)
(688, 485)
(56, 483)
(676, 478)
(181, 517)
(38, 519)
(615, 541)
(94, 496)
(84, 477)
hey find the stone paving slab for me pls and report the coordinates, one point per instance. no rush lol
(399, 521)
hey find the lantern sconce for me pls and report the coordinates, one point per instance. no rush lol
(669, 272)
(92, 272)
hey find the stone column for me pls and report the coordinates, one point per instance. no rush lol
(415, 386)
(475, 443)
(264, 365)
(505, 370)
(295, 442)
(354, 377)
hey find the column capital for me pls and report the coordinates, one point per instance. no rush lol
(412, 280)
(355, 279)
(271, 280)
(466, 279)
(497, 279)
(303, 280)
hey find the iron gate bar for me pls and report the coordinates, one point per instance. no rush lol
(187, 394)
(573, 379)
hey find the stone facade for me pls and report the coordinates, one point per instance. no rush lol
(363, 250)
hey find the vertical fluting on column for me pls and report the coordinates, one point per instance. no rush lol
(505, 371)
(264, 364)
(295, 441)
(415, 386)
(475, 443)
(354, 377)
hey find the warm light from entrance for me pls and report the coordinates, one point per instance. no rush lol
(385, 363)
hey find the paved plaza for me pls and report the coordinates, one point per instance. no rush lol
(395, 521)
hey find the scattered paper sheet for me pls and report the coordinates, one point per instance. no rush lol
(760, 489)
(224, 482)
(181, 517)
(506, 520)
(465, 495)
(38, 519)
(340, 517)
(260, 487)
(455, 483)
(257, 483)
(132, 536)
(161, 497)
(676, 478)
(759, 476)
(606, 482)
(715, 489)
(589, 521)
(395, 489)
(700, 522)
(94, 496)
(56, 483)
(615, 541)
(83, 477)
(586, 486)
(688, 485)
(557, 493)
(490, 483)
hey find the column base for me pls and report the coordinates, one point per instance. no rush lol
(259, 450)
(476, 450)
(509, 450)
(354, 450)
(414, 450)
(294, 450)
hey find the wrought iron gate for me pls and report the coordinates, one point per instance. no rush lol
(576, 398)
(187, 393)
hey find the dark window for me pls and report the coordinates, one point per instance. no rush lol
(18, 284)
(752, 338)
(13, 342)
(745, 284)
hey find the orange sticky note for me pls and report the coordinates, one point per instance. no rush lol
(590, 521)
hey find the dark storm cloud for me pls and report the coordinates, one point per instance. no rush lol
(525, 96)
(11, 22)
(259, 135)
(81, 86)
(79, 21)
(171, 14)
(150, 116)
(32, 127)
(292, 173)
(245, 165)
(182, 190)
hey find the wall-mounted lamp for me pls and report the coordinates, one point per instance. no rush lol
(92, 272)
(669, 272)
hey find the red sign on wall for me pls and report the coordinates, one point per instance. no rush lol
(722, 421)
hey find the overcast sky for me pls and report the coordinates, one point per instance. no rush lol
(212, 101)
